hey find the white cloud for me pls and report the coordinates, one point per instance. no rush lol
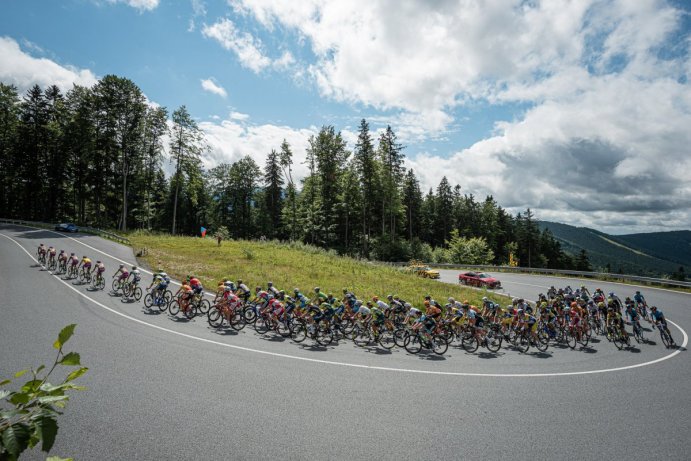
(141, 5)
(24, 71)
(244, 45)
(230, 140)
(212, 87)
(239, 116)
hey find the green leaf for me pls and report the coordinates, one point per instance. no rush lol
(64, 335)
(39, 369)
(19, 374)
(76, 374)
(70, 359)
(15, 439)
(5, 381)
(31, 386)
(53, 398)
(19, 398)
(4, 394)
(48, 430)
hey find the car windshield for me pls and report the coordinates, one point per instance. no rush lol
(483, 276)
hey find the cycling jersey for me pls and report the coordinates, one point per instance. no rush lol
(86, 262)
(658, 316)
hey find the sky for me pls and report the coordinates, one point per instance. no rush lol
(577, 109)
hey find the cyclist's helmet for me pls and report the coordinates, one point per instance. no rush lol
(611, 294)
(134, 268)
(239, 281)
(407, 305)
(591, 302)
(316, 289)
(638, 292)
(296, 291)
(484, 299)
(428, 297)
(601, 304)
(610, 309)
(375, 298)
(269, 284)
(574, 304)
(98, 262)
(452, 301)
(519, 311)
(72, 254)
(122, 266)
(529, 309)
(426, 303)
(257, 288)
(226, 288)
(654, 308)
(389, 297)
(282, 293)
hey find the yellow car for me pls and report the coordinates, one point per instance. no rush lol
(424, 271)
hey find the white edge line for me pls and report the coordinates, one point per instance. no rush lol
(354, 365)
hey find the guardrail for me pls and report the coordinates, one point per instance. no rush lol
(86, 229)
(606, 275)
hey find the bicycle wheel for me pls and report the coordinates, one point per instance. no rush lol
(522, 343)
(618, 340)
(414, 346)
(191, 311)
(470, 343)
(543, 336)
(250, 313)
(539, 345)
(298, 332)
(174, 307)
(386, 339)
(137, 293)
(439, 345)
(214, 317)
(324, 336)
(101, 283)
(583, 339)
(494, 340)
(261, 325)
(360, 335)
(164, 302)
(204, 305)
(148, 301)
(571, 340)
(400, 336)
(638, 334)
(283, 328)
(666, 340)
(115, 286)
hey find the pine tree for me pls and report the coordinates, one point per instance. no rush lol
(273, 192)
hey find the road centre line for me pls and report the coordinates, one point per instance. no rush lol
(354, 365)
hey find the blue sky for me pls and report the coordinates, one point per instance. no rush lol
(564, 107)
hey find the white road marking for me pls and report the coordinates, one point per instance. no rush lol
(355, 365)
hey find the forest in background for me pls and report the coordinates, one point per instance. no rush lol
(95, 156)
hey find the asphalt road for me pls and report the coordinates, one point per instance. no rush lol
(161, 388)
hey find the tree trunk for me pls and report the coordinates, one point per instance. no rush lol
(175, 202)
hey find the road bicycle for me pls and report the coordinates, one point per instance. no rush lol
(72, 272)
(158, 298)
(52, 263)
(98, 282)
(525, 338)
(84, 275)
(664, 335)
(423, 339)
(301, 329)
(618, 336)
(638, 332)
(491, 339)
(222, 313)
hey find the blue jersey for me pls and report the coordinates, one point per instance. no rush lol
(658, 316)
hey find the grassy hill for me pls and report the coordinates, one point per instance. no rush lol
(289, 266)
(652, 254)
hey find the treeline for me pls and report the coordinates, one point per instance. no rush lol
(95, 156)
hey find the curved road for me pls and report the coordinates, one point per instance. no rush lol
(161, 388)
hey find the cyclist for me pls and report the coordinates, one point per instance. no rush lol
(184, 295)
(632, 313)
(51, 254)
(658, 318)
(474, 320)
(196, 285)
(124, 274)
(639, 298)
(62, 260)
(135, 277)
(243, 291)
(377, 315)
(74, 261)
(161, 281)
(41, 252)
(614, 301)
(321, 297)
(100, 268)
(86, 263)
(615, 322)
(271, 289)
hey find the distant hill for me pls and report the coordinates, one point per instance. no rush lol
(651, 254)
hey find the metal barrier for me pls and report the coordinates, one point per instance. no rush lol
(51, 226)
(600, 275)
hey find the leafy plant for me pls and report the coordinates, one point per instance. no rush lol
(31, 416)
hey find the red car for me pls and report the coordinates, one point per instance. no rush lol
(478, 279)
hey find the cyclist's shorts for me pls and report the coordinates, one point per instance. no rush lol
(87, 265)
(198, 289)
(162, 286)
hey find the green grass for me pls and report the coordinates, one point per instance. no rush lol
(290, 266)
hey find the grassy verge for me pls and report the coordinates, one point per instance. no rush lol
(289, 266)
